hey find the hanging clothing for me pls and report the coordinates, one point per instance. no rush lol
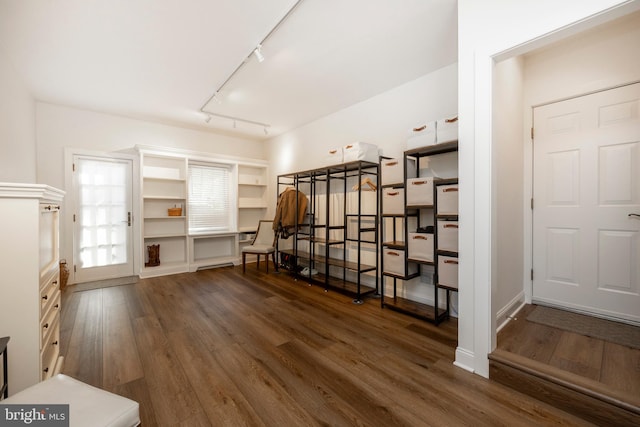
(290, 201)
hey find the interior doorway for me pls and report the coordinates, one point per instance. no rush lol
(586, 195)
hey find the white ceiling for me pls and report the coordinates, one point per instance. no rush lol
(162, 60)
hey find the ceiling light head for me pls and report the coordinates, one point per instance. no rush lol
(258, 53)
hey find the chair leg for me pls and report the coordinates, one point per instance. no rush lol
(258, 261)
(266, 261)
(244, 262)
(273, 256)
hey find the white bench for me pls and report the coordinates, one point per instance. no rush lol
(88, 405)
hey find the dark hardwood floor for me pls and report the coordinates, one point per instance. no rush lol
(614, 366)
(221, 348)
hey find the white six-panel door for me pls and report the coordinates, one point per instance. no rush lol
(586, 187)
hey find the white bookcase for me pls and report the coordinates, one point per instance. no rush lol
(164, 186)
(252, 196)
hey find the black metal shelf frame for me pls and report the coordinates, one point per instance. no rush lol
(318, 237)
(423, 311)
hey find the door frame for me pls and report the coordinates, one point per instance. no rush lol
(67, 231)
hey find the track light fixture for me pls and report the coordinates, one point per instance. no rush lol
(260, 57)
(258, 53)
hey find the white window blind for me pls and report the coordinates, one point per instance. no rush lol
(209, 198)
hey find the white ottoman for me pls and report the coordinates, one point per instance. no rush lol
(88, 405)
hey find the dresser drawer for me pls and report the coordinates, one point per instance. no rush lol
(50, 352)
(50, 319)
(48, 288)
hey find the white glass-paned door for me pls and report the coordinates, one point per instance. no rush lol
(103, 236)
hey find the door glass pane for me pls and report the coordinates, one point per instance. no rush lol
(103, 212)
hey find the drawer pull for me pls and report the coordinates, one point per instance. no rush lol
(419, 182)
(451, 226)
(46, 297)
(348, 146)
(421, 237)
(453, 120)
(390, 163)
(57, 306)
(420, 129)
(451, 261)
(333, 151)
(393, 253)
(54, 343)
(46, 326)
(395, 193)
(45, 370)
(55, 282)
(449, 190)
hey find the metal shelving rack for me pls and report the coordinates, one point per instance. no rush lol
(414, 308)
(339, 273)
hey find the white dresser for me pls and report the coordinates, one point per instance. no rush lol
(30, 281)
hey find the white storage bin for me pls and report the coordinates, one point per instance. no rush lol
(394, 263)
(447, 199)
(392, 172)
(447, 129)
(333, 156)
(419, 191)
(448, 236)
(448, 271)
(422, 135)
(393, 201)
(420, 246)
(360, 151)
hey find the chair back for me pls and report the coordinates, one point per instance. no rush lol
(265, 234)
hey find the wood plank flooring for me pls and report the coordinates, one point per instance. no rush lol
(219, 347)
(613, 365)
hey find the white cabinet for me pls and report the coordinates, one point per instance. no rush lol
(164, 192)
(30, 290)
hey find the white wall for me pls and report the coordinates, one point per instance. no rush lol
(508, 202)
(383, 120)
(17, 127)
(61, 127)
(486, 30)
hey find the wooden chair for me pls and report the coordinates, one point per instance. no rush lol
(264, 243)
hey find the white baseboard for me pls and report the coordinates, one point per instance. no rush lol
(503, 316)
(464, 359)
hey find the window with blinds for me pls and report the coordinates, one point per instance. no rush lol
(209, 198)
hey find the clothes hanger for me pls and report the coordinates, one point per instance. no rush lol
(366, 181)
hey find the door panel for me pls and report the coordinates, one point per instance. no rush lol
(586, 183)
(102, 227)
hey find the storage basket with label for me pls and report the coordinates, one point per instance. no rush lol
(394, 263)
(420, 246)
(420, 191)
(393, 201)
(360, 151)
(447, 129)
(422, 135)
